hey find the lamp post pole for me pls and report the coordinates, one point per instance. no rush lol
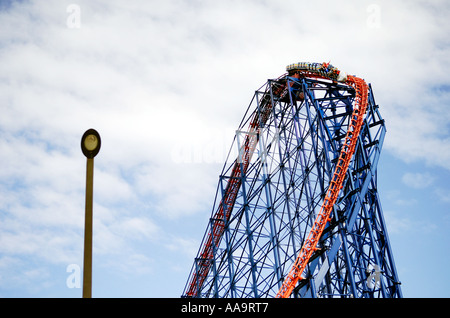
(87, 265)
(90, 146)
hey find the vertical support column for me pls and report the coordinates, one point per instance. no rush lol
(87, 263)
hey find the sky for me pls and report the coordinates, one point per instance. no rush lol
(166, 84)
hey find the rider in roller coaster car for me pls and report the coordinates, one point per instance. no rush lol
(295, 86)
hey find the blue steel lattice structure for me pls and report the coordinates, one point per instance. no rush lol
(287, 146)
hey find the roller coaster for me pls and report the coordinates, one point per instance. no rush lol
(297, 213)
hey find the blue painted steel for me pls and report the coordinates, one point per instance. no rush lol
(282, 192)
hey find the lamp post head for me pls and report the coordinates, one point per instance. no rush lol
(90, 143)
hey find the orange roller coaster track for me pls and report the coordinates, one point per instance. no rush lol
(346, 153)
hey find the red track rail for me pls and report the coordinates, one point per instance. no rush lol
(346, 154)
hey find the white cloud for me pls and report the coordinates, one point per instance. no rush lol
(398, 223)
(139, 228)
(160, 79)
(417, 180)
(443, 194)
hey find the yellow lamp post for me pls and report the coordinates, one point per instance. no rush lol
(90, 146)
